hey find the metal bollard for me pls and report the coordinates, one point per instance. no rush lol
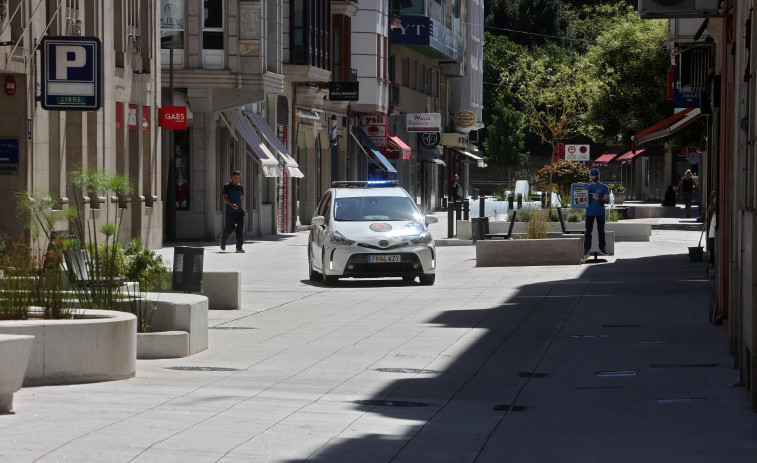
(466, 209)
(482, 206)
(450, 219)
(510, 198)
(520, 201)
(459, 210)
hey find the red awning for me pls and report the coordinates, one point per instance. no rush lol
(667, 126)
(628, 157)
(605, 158)
(395, 144)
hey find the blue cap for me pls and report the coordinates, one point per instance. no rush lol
(594, 172)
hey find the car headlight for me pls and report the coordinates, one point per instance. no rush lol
(338, 239)
(423, 238)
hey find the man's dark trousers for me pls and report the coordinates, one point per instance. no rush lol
(234, 220)
(600, 230)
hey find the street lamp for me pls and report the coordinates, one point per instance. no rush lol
(170, 221)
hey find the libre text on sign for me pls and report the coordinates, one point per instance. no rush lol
(71, 73)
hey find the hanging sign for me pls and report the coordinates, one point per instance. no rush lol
(577, 153)
(71, 73)
(173, 117)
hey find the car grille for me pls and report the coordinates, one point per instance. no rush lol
(394, 246)
(360, 266)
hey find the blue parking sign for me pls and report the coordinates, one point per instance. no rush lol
(71, 73)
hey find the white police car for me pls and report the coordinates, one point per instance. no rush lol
(370, 229)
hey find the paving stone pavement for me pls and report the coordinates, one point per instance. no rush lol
(611, 361)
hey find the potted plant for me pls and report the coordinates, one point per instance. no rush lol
(618, 191)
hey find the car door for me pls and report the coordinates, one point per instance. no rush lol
(318, 233)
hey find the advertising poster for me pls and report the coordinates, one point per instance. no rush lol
(579, 195)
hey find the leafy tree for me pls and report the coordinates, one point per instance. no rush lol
(528, 22)
(590, 20)
(504, 134)
(633, 67)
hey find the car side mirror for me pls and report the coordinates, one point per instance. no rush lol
(430, 218)
(318, 221)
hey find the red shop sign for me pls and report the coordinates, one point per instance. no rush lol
(145, 117)
(173, 117)
(132, 116)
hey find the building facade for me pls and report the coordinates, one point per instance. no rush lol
(43, 145)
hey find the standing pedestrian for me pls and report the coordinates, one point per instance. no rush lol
(686, 188)
(233, 196)
(457, 189)
(599, 195)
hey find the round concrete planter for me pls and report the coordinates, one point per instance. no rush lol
(99, 345)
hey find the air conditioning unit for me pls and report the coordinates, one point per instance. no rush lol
(678, 8)
(685, 30)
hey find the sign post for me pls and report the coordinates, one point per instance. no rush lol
(72, 73)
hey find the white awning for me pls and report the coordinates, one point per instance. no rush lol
(374, 154)
(433, 156)
(289, 163)
(479, 160)
(268, 161)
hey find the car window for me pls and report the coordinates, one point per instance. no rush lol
(375, 208)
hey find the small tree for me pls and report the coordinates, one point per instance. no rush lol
(563, 174)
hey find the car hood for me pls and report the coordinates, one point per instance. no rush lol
(380, 230)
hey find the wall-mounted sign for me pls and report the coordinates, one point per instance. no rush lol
(429, 139)
(577, 153)
(424, 122)
(374, 126)
(145, 117)
(465, 119)
(9, 155)
(455, 139)
(71, 73)
(344, 90)
(132, 116)
(173, 117)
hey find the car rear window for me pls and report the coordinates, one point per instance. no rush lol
(357, 209)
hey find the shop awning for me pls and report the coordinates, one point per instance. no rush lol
(629, 156)
(608, 156)
(289, 163)
(668, 126)
(433, 156)
(268, 161)
(396, 144)
(372, 152)
(479, 160)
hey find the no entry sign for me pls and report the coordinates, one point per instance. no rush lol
(577, 153)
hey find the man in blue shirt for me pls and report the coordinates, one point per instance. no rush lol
(599, 195)
(233, 196)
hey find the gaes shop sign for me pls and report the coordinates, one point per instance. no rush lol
(173, 117)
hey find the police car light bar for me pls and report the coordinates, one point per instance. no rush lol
(363, 183)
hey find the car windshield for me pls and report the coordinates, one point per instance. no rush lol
(359, 209)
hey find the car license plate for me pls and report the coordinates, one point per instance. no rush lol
(380, 258)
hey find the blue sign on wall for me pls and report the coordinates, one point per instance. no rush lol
(685, 97)
(9, 150)
(71, 73)
(422, 30)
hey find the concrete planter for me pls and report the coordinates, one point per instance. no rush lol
(99, 345)
(15, 351)
(624, 231)
(620, 198)
(549, 251)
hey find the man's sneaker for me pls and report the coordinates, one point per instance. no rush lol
(240, 250)
(604, 253)
(223, 246)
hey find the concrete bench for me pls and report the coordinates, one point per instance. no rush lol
(223, 290)
(180, 326)
(551, 251)
(15, 351)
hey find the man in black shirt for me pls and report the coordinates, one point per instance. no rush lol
(233, 196)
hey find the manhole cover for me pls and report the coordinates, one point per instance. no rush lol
(680, 401)
(684, 365)
(202, 369)
(411, 371)
(511, 408)
(390, 403)
(617, 373)
(232, 328)
(528, 374)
